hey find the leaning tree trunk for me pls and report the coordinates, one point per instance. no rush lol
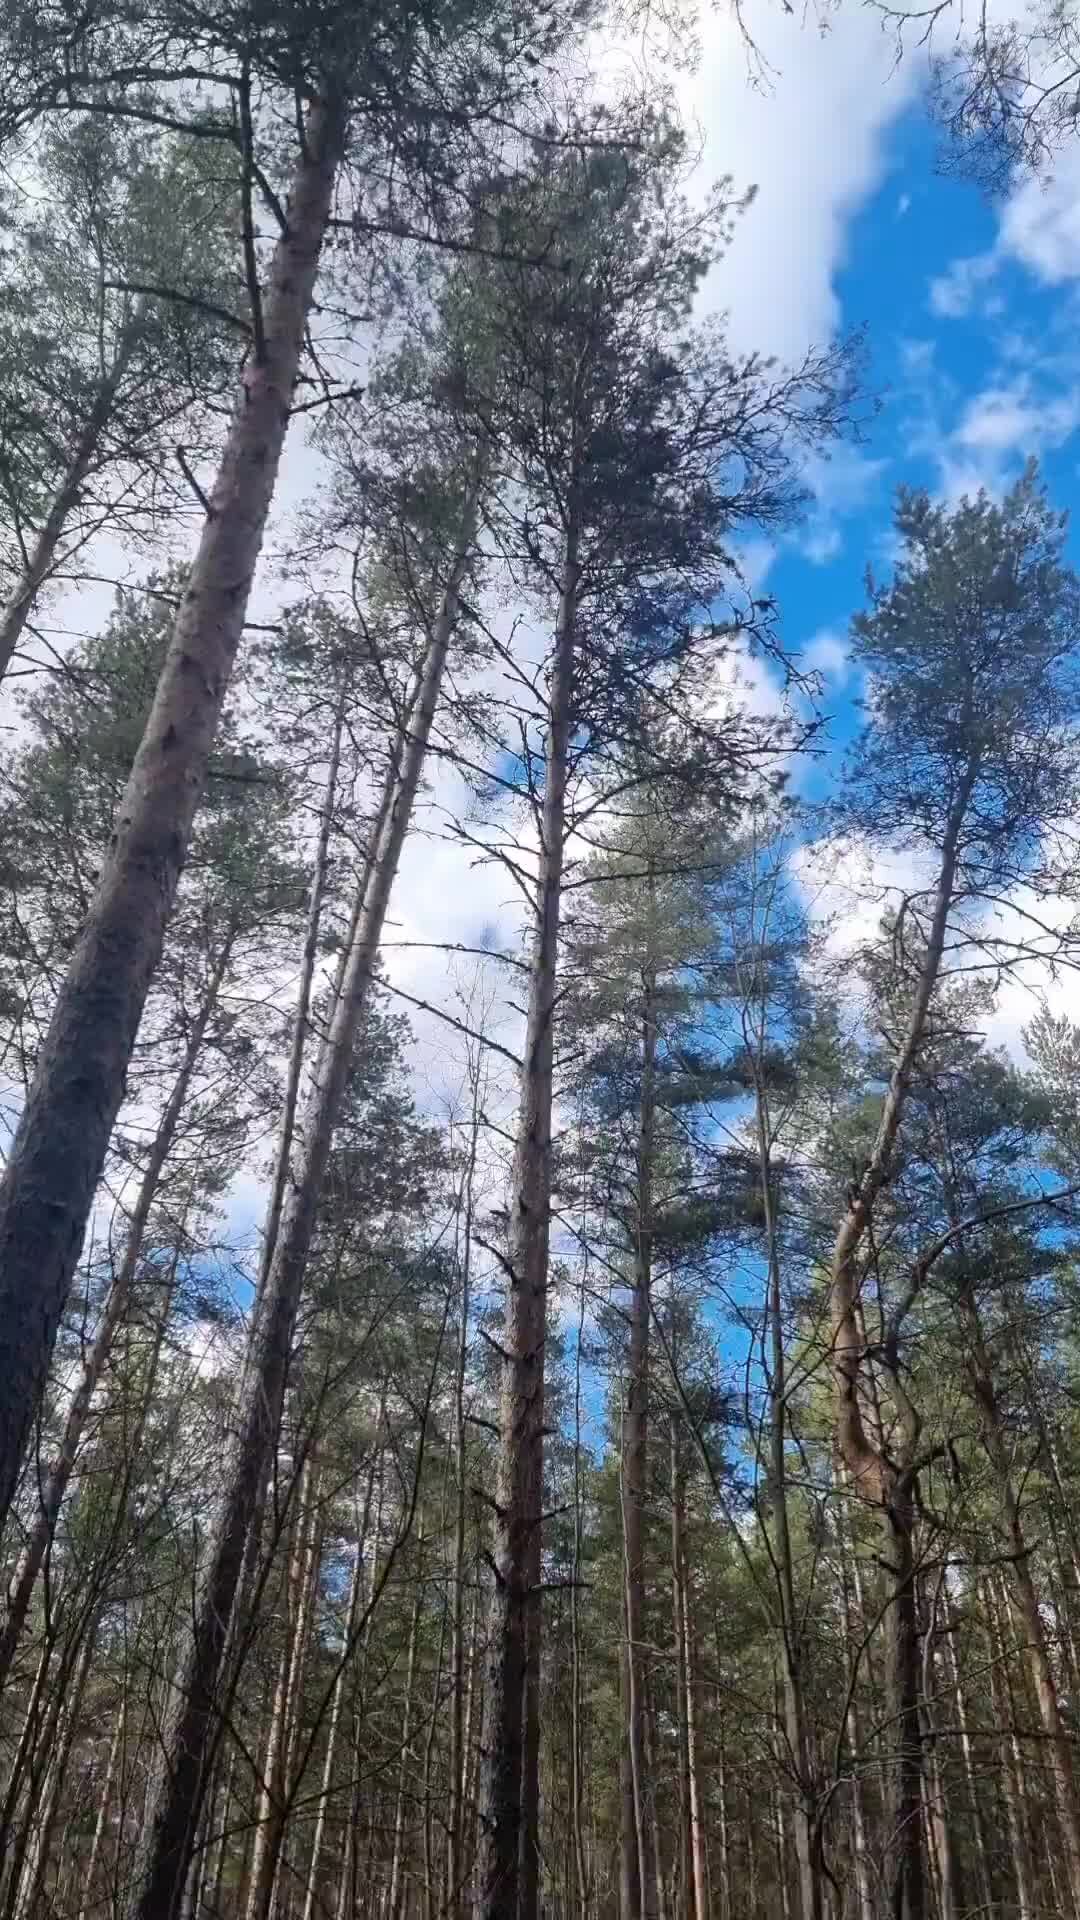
(520, 1479)
(875, 1477)
(637, 1866)
(42, 555)
(301, 1018)
(60, 1146)
(189, 1739)
(55, 1484)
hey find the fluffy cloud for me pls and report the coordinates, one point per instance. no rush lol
(774, 126)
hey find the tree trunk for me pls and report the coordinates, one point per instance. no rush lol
(577, 1752)
(1012, 1769)
(1024, 1600)
(637, 1867)
(60, 1146)
(193, 1728)
(521, 1416)
(88, 1903)
(352, 1614)
(809, 1879)
(395, 1896)
(907, 1876)
(456, 1834)
(55, 1484)
(939, 1831)
(686, 1667)
(270, 1810)
(40, 560)
(301, 1017)
(975, 1808)
(36, 1858)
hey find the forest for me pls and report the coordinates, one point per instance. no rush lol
(539, 1261)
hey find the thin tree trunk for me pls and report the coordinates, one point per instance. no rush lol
(356, 1590)
(637, 1866)
(1012, 1768)
(270, 1807)
(41, 1820)
(193, 1729)
(301, 1017)
(456, 1836)
(908, 1880)
(108, 1787)
(60, 1146)
(698, 1878)
(1024, 1599)
(68, 493)
(726, 1908)
(939, 1832)
(577, 1756)
(690, 1906)
(809, 1879)
(520, 1487)
(55, 1483)
(975, 1807)
(397, 1863)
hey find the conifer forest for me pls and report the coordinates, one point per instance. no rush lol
(540, 1095)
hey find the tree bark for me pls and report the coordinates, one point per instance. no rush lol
(809, 1878)
(298, 1041)
(270, 1810)
(55, 1484)
(908, 1880)
(60, 1146)
(352, 1614)
(1024, 1602)
(637, 1866)
(1012, 1770)
(520, 1482)
(192, 1732)
(975, 1808)
(395, 1896)
(456, 1834)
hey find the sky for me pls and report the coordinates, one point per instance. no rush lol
(970, 313)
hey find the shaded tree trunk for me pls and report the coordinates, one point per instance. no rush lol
(637, 1864)
(520, 1479)
(55, 1484)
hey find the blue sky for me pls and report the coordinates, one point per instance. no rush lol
(974, 358)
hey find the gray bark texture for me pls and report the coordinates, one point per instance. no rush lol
(63, 1136)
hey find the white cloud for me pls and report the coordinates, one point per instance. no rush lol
(1040, 223)
(827, 653)
(1039, 230)
(955, 292)
(781, 136)
(1016, 419)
